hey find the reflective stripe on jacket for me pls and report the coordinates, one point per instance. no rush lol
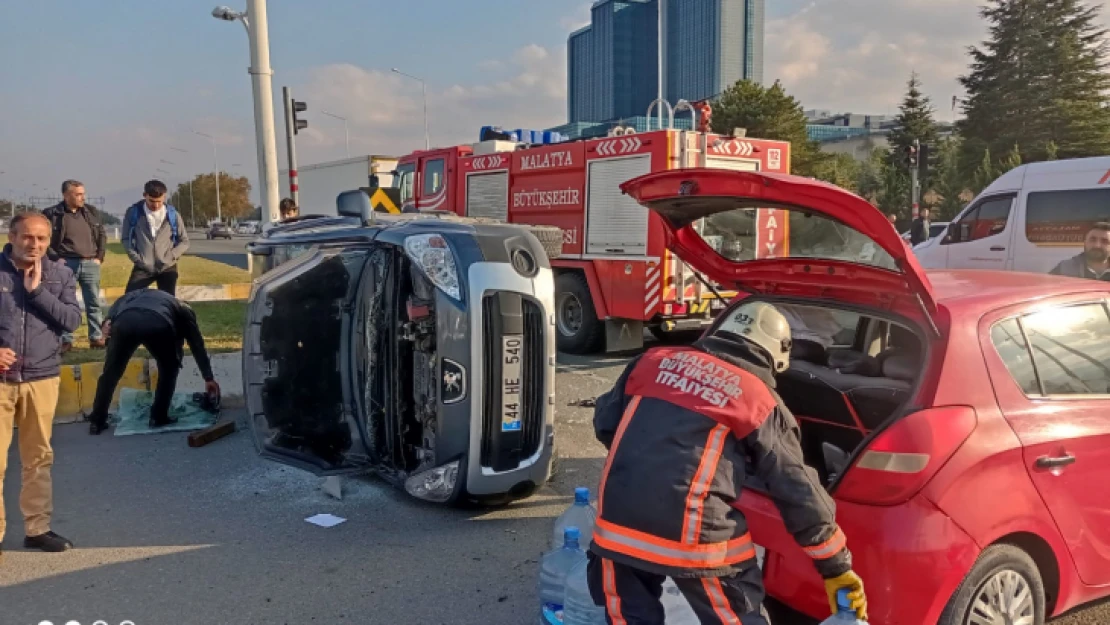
(683, 426)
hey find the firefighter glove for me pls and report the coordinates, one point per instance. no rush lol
(854, 585)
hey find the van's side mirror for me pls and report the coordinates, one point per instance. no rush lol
(355, 204)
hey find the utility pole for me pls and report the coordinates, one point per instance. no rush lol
(915, 188)
(291, 145)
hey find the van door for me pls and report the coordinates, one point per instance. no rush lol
(981, 237)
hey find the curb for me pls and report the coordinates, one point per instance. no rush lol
(196, 293)
(78, 383)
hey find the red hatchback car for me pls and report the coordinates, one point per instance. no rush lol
(960, 420)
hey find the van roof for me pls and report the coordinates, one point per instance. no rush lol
(977, 292)
(1093, 169)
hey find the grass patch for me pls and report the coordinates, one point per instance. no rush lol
(221, 324)
(192, 270)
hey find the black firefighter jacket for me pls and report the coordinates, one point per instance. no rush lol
(684, 426)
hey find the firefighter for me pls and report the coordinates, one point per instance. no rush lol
(682, 426)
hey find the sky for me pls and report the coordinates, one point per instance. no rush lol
(103, 92)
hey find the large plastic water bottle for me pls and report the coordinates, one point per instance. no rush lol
(554, 567)
(845, 615)
(581, 515)
(676, 608)
(578, 606)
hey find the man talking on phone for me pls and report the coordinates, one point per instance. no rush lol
(38, 304)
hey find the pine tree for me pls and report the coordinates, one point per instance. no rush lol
(1039, 78)
(949, 182)
(985, 173)
(1010, 161)
(915, 119)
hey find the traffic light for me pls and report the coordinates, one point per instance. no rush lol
(911, 156)
(299, 124)
(923, 159)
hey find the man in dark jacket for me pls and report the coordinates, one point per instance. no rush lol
(1094, 262)
(38, 303)
(162, 324)
(681, 426)
(155, 240)
(79, 241)
(919, 230)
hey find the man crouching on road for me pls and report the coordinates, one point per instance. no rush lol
(38, 304)
(679, 426)
(162, 324)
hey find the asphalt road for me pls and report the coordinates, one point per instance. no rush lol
(228, 251)
(167, 534)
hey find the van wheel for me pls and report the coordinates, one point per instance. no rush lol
(579, 329)
(1003, 588)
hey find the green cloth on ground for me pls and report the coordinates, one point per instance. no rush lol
(133, 415)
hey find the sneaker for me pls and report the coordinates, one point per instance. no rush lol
(97, 343)
(96, 426)
(49, 541)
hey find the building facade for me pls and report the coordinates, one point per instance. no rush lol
(612, 64)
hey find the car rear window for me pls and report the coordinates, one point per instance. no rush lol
(1059, 351)
(1064, 217)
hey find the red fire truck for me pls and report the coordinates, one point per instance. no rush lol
(615, 276)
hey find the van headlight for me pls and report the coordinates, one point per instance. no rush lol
(434, 257)
(436, 484)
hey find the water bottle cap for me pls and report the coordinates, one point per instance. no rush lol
(571, 534)
(842, 600)
(582, 495)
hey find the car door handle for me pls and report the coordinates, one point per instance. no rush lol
(1055, 462)
(998, 248)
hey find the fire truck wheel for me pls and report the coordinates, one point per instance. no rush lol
(580, 331)
(551, 238)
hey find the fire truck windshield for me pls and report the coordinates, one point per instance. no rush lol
(403, 180)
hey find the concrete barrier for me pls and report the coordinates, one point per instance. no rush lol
(78, 385)
(196, 293)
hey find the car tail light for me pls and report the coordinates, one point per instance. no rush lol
(902, 459)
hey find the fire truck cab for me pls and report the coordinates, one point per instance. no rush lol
(615, 277)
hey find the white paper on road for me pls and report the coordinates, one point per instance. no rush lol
(325, 520)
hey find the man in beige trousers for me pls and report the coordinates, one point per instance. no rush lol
(38, 304)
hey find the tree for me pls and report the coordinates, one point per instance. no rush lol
(839, 169)
(984, 174)
(949, 182)
(1038, 81)
(885, 184)
(769, 113)
(915, 119)
(1010, 161)
(234, 198)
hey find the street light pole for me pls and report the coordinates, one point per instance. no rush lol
(346, 135)
(258, 33)
(216, 166)
(424, 95)
(192, 198)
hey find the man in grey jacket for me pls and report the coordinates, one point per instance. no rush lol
(155, 239)
(1094, 261)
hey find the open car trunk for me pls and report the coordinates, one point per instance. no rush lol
(851, 374)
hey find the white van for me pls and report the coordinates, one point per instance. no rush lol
(1029, 219)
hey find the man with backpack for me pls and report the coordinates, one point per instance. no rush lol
(155, 239)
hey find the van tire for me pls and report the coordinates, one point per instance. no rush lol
(996, 561)
(577, 328)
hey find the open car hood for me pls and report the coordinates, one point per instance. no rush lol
(685, 196)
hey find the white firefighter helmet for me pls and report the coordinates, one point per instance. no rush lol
(762, 324)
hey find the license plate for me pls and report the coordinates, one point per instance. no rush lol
(512, 349)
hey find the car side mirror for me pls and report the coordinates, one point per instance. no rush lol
(355, 204)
